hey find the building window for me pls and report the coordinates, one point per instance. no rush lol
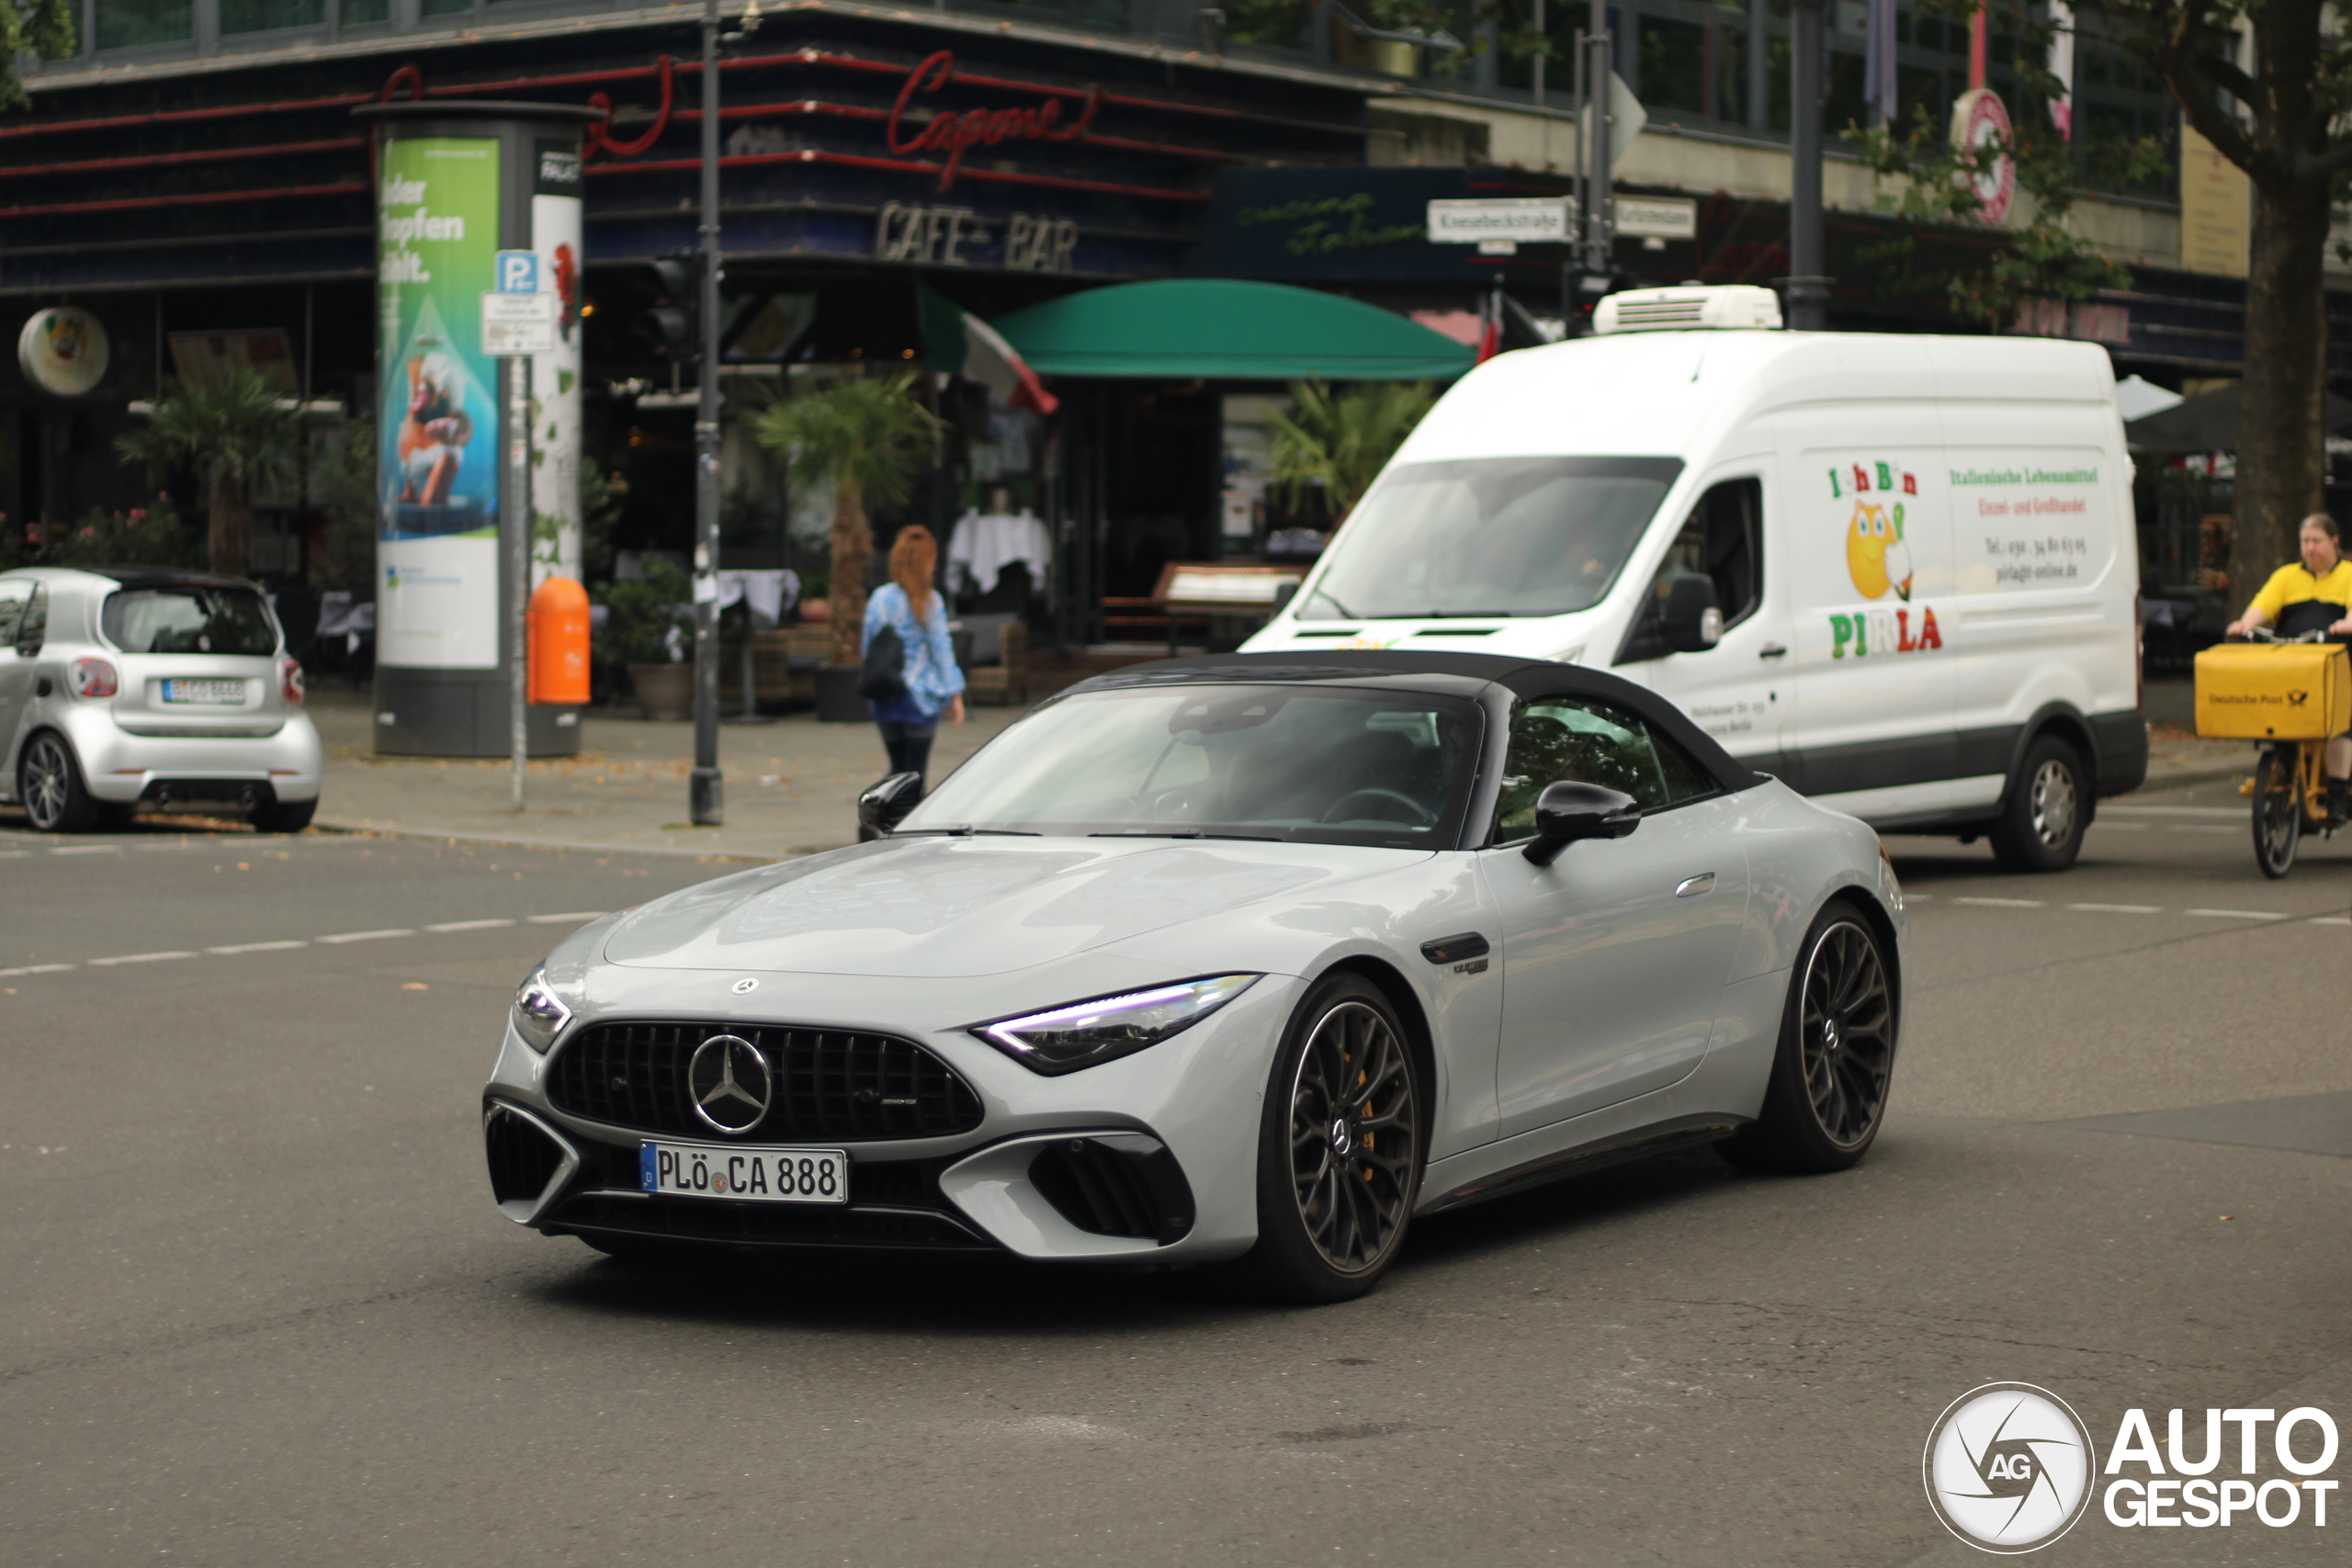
(261, 15)
(360, 13)
(443, 8)
(1674, 66)
(127, 24)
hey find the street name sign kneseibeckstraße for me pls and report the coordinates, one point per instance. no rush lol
(518, 323)
(1524, 221)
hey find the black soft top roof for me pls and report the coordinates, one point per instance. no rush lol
(1522, 677)
(167, 577)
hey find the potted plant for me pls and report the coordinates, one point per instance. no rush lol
(238, 433)
(1338, 443)
(869, 439)
(647, 620)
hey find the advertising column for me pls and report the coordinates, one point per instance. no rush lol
(456, 184)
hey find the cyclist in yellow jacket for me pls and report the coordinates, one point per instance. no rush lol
(2311, 594)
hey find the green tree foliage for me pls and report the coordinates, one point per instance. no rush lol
(1338, 442)
(869, 439)
(152, 535)
(2287, 121)
(41, 28)
(343, 483)
(650, 620)
(237, 435)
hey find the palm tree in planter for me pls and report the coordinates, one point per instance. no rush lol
(1339, 442)
(869, 439)
(237, 435)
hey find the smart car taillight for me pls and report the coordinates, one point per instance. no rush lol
(290, 678)
(94, 678)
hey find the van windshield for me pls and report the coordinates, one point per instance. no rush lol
(1488, 536)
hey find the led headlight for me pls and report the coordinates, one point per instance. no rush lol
(1079, 1035)
(539, 1013)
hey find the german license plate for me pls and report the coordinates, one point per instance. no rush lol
(207, 694)
(746, 1176)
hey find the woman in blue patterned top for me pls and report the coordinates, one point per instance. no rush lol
(909, 605)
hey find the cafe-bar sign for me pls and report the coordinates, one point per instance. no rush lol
(957, 134)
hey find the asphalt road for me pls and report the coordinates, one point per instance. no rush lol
(256, 1307)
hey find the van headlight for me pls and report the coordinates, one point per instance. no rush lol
(1063, 1039)
(539, 1014)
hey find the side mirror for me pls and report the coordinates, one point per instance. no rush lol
(1568, 811)
(1694, 621)
(885, 805)
(1285, 592)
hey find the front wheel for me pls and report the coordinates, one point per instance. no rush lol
(1338, 1147)
(2048, 809)
(2278, 811)
(1836, 1062)
(48, 783)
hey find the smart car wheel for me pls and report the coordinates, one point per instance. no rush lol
(2048, 809)
(1828, 1087)
(49, 781)
(284, 816)
(1340, 1147)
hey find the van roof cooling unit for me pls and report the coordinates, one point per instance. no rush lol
(1683, 309)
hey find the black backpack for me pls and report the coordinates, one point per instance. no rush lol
(884, 677)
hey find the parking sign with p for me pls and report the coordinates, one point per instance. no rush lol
(518, 272)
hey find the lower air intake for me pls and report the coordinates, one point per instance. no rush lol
(522, 1160)
(1119, 1184)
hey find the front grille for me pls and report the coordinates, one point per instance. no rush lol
(522, 1158)
(829, 1085)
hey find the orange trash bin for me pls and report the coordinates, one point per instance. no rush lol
(558, 666)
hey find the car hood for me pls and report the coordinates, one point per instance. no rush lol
(967, 907)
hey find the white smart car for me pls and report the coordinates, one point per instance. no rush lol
(1246, 958)
(124, 686)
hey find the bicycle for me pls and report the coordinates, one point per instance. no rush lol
(2271, 703)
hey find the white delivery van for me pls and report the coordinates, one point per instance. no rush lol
(1919, 554)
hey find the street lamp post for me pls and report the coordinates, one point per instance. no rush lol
(706, 784)
(1808, 290)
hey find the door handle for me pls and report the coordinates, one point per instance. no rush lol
(1691, 886)
(1771, 651)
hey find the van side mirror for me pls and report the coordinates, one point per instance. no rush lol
(1694, 621)
(1568, 811)
(885, 805)
(1285, 592)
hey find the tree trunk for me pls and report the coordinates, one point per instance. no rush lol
(2282, 452)
(852, 545)
(231, 532)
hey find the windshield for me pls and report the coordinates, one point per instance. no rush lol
(190, 619)
(1312, 764)
(1488, 536)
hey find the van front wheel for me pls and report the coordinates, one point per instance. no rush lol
(2049, 808)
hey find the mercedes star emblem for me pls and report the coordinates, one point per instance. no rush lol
(744, 988)
(728, 1083)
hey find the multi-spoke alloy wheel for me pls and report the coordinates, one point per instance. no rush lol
(1845, 1031)
(50, 786)
(1340, 1153)
(1828, 1087)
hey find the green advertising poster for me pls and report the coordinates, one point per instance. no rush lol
(436, 603)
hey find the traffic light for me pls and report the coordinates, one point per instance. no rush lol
(673, 325)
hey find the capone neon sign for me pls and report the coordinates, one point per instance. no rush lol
(957, 134)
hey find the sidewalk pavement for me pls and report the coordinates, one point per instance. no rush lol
(791, 787)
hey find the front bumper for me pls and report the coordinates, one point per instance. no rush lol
(119, 767)
(1152, 1157)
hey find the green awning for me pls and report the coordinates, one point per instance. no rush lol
(1186, 327)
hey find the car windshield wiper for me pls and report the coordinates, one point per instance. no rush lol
(1174, 834)
(966, 830)
(1345, 613)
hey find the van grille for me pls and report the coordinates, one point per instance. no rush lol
(830, 1084)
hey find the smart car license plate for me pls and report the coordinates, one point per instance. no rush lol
(206, 694)
(747, 1175)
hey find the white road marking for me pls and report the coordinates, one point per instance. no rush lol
(2332, 920)
(2005, 903)
(577, 917)
(2125, 827)
(38, 969)
(2118, 908)
(467, 925)
(2175, 810)
(2196, 828)
(2237, 914)
(16, 854)
(86, 849)
(257, 947)
(235, 949)
(365, 936)
(139, 958)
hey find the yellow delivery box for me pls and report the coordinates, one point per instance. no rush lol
(2267, 690)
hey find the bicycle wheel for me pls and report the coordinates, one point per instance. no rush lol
(2278, 811)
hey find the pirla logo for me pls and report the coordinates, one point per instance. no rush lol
(1878, 560)
(1866, 632)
